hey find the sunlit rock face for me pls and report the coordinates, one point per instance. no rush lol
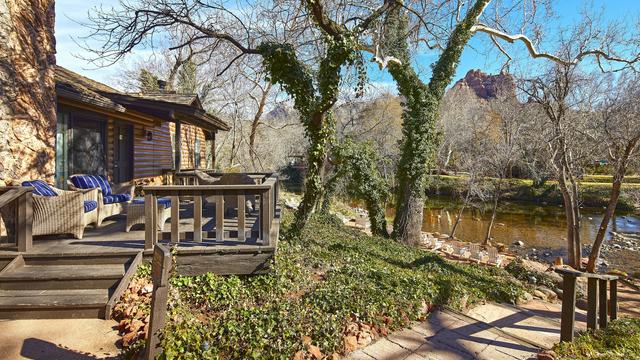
(487, 86)
(27, 90)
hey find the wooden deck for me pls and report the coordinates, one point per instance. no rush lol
(64, 277)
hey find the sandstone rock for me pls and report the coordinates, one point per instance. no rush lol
(350, 343)
(549, 294)
(539, 294)
(486, 86)
(547, 355)
(315, 352)
(129, 338)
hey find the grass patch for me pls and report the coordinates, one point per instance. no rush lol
(620, 340)
(323, 282)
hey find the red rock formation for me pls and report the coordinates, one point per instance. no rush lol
(487, 86)
(27, 90)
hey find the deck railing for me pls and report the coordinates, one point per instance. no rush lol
(599, 309)
(265, 192)
(17, 213)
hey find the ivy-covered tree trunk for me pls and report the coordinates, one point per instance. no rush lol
(420, 115)
(314, 104)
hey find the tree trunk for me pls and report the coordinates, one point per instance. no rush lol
(420, 115)
(569, 216)
(313, 185)
(255, 123)
(455, 224)
(377, 218)
(493, 219)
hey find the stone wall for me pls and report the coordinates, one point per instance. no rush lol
(27, 90)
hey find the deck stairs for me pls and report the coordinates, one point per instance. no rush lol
(64, 286)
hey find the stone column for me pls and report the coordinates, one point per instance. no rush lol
(27, 90)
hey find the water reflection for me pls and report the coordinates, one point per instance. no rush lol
(536, 226)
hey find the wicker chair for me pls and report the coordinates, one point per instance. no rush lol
(112, 199)
(57, 211)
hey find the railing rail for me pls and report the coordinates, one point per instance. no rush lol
(600, 309)
(265, 194)
(16, 207)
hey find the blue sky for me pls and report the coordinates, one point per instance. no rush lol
(70, 13)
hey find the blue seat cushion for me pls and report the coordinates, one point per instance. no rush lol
(92, 182)
(40, 188)
(166, 202)
(90, 205)
(116, 198)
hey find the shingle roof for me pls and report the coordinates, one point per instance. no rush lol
(72, 85)
(80, 88)
(182, 99)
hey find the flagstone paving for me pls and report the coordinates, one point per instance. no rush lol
(446, 335)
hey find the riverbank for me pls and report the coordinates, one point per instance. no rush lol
(594, 191)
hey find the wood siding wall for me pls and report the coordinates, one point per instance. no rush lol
(189, 135)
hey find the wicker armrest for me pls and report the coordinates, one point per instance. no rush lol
(69, 202)
(124, 188)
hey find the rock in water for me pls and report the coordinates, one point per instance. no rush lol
(518, 243)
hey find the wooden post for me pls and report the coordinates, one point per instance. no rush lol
(265, 215)
(592, 303)
(241, 217)
(175, 218)
(219, 199)
(24, 222)
(603, 316)
(567, 321)
(151, 220)
(197, 218)
(613, 299)
(161, 268)
(178, 145)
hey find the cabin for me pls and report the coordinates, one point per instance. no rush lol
(129, 136)
(67, 252)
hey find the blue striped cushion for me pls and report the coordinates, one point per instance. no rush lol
(166, 202)
(91, 182)
(90, 205)
(116, 198)
(40, 188)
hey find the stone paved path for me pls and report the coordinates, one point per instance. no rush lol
(447, 335)
(68, 339)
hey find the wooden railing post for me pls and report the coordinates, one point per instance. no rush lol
(197, 218)
(219, 199)
(160, 271)
(24, 222)
(592, 303)
(613, 299)
(602, 315)
(568, 316)
(175, 218)
(265, 215)
(151, 221)
(241, 217)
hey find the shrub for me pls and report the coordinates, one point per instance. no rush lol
(323, 281)
(620, 340)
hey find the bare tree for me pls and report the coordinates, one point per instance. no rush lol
(431, 25)
(314, 89)
(617, 124)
